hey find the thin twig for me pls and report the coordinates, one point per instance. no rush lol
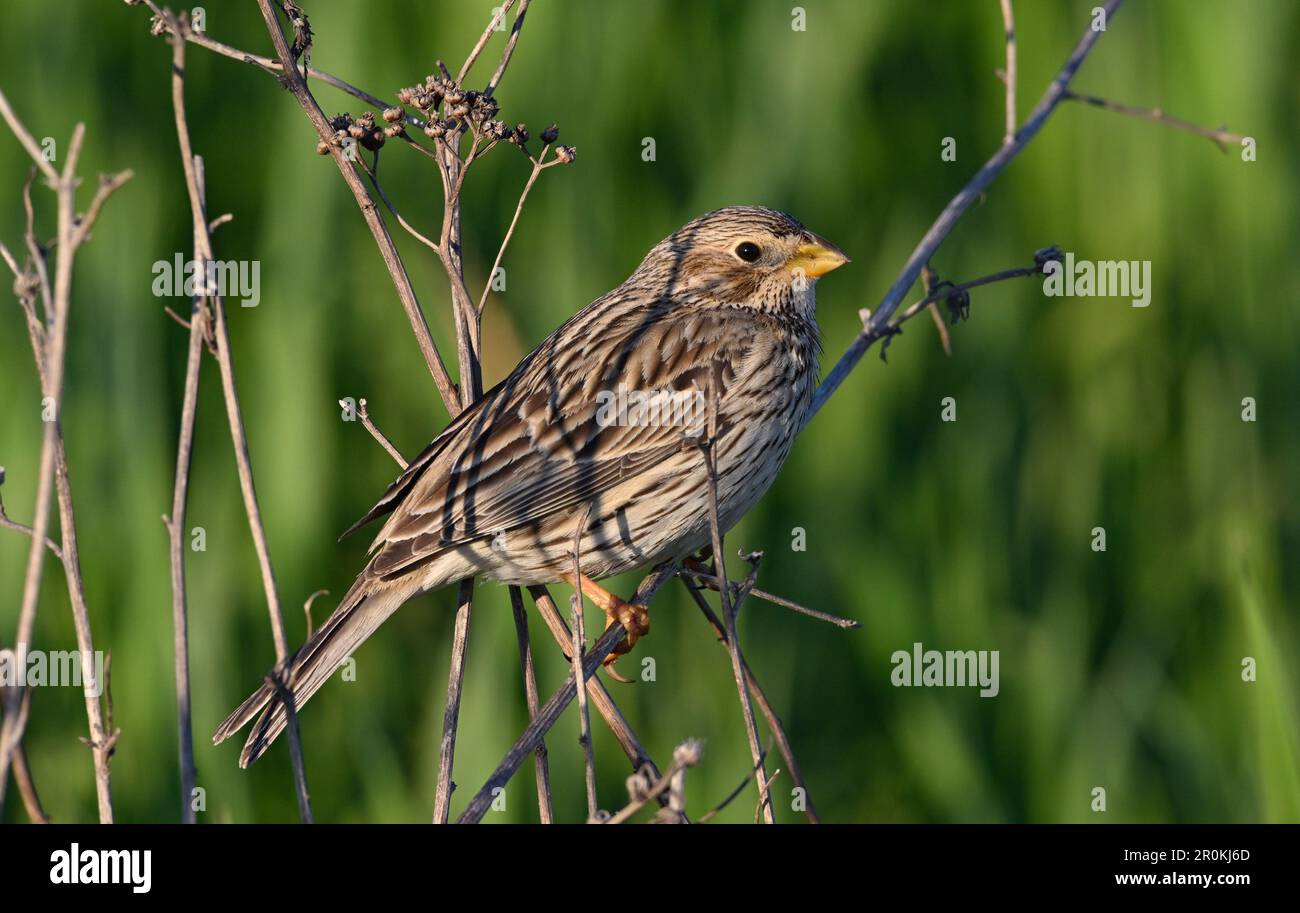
(392, 260)
(1009, 73)
(764, 705)
(545, 813)
(730, 608)
(498, 15)
(48, 350)
(875, 326)
(538, 168)
(702, 574)
(27, 788)
(378, 435)
(1223, 138)
(451, 714)
(192, 167)
(527, 743)
(579, 644)
(740, 788)
(197, 324)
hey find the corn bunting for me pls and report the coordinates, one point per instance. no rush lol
(713, 337)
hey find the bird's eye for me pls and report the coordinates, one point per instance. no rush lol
(748, 251)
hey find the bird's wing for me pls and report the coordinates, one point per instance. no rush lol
(538, 444)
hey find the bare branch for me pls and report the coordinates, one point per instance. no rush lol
(1222, 137)
(1009, 74)
(578, 646)
(874, 328)
(211, 308)
(545, 812)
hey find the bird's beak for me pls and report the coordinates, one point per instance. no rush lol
(816, 257)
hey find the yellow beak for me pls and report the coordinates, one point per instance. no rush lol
(816, 258)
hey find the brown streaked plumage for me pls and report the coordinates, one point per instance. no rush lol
(721, 309)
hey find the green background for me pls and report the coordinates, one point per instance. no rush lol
(1119, 669)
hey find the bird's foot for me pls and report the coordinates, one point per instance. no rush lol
(634, 617)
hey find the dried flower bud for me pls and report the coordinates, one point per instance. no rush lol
(393, 130)
(322, 148)
(458, 111)
(566, 154)
(393, 115)
(1048, 255)
(434, 129)
(550, 134)
(495, 130)
(519, 136)
(485, 108)
(689, 753)
(453, 95)
(639, 785)
(405, 94)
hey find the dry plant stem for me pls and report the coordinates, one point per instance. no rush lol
(596, 690)
(703, 576)
(1222, 138)
(378, 435)
(764, 705)
(198, 324)
(27, 788)
(735, 793)
(295, 748)
(452, 171)
(234, 412)
(659, 788)
(499, 15)
(527, 743)
(730, 609)
(538, 168)
(545, 812)
(387, 249)
(878, 325)
(579, 644)
(1009, 73)
(451, 715)
(49, 346)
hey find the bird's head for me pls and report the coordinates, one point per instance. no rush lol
(743, 256)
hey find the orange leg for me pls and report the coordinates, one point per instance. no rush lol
(634, 618)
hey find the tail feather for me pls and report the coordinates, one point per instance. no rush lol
(360, 612)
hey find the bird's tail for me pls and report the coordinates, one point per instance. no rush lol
(363, 609)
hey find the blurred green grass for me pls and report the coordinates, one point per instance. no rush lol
(1120, 669)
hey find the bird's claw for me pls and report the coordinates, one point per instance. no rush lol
(635, 620)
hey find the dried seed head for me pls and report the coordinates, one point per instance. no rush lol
(434, 129)
(1048, 255)
(485, 108)
(519, 136)
(566, 154)
(405, 94)
(393, 130)
(550, 134)
(322, 148)
(689, 753)
(496, 130)
(393, 115)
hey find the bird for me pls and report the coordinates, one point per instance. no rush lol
(598, 438)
